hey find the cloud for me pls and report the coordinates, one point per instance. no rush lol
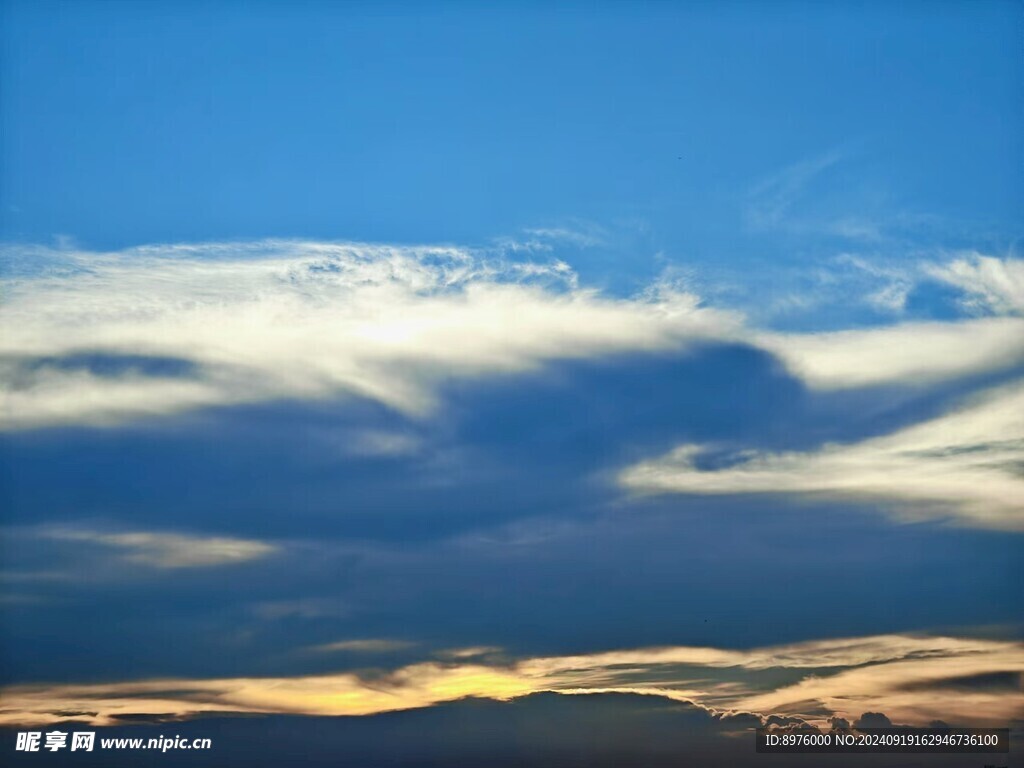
(889, 285)
(909, 689)
(964, 464)
(843, 677)
(370, 645)
(300, 608)
(915, 354)
(168, 550)
(105, 338)
(991, 285)
(283, 319)
(470, 652)
(854, 288)
(771, 200)
(545, 730)
(582, 235)
(817, 654)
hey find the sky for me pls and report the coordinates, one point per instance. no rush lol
(357, 359)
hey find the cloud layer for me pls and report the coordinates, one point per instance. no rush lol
(965, 464)
(913, 354)
(103, 338)
(897, 674)
(159, 549)
(302, 320)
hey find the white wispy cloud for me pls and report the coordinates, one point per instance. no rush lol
(158, 549)
(886, 280)
(305, 320)
(891, 284)
(964, 465)
(771, 200)
(989, 284)
(913, 353)
(256, 321)
(990, 338)
(364, 645)
(581, 235)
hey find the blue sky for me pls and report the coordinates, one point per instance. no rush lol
(453, 350)
(153, 122)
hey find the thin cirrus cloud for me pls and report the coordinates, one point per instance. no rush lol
(365, 645)
(897, 674)
(990, 292)
(166, 550)
(107, 338)
(965, 283)
(988, 284)
(964, 464)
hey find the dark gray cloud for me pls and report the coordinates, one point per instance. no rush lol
(991, 681)
(541, 730)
